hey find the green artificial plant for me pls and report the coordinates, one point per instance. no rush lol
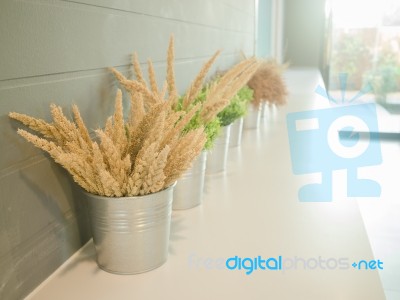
(237, 107)
(211, 128)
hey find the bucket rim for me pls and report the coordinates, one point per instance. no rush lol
(130, 197)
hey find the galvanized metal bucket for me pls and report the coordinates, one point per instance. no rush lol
(217, 156)
(188, 191)
(264, 109)
(252, 119)
(236, 133)
(131, 234)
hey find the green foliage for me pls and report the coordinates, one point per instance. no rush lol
(237, 107)
(211, 129)
(351, 55)
(245, 94)
(385, 78)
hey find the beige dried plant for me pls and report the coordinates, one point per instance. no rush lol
(220, 94)
(129, 158)
(150, 150)
(217, 98)
(268, 84)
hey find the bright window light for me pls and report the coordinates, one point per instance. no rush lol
(363, 13)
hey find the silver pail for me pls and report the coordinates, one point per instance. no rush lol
(131, 234)
(252, 119)
(217, 156)
(188, 191)
(236, 133)
(264, 109)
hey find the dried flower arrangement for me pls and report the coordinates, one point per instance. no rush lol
(144, 155)
(207, 103)
(236, 108)
(268, 84)
(150, 150)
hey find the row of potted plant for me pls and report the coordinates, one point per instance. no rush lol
(188, 192)
(129, 169)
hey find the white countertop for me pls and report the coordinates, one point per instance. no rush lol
(250, 210)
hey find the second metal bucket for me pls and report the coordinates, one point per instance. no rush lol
(236, 133)
(188, 191)
(252, 119)
(264, 109)
(217, 156)
(131, 234)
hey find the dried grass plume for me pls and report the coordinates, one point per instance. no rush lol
(126, 159)
(268, 84)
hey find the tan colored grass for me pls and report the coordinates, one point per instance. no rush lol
(220, 93)
(149, 150)
(152, 77)
(44, 144)
(133, 87)
(83, 131)
(197, 83)
(137, 69)
(123, 163)
(268, 84)
(173, 93)
(183, 154)
(39, 125)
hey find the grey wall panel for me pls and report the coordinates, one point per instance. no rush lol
(58, 51)
(304, 23)
(222, 15)
(43, 221)
(56, 37)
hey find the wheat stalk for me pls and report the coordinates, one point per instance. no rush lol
(155, 178)
(140, 133)
(118, 134)
(173, 93)
(83, 131)
(197, 84)
(152, 77)
(182, 155)
(117, 165)
(220, 93)
(48, 146)
(133, 87)
(163, 91)
(39, 125)
(146, 156)
(137, 69)
(137, 110)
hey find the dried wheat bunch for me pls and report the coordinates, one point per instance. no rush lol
(218, 96)
(130, 157)
(223, 90)
(268, 84)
